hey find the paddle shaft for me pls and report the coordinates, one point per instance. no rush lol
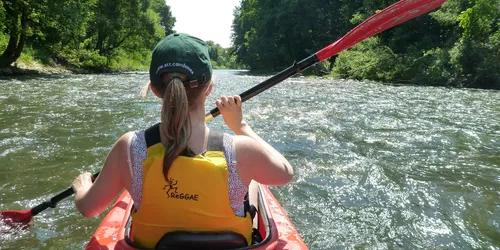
(257, 89)
(387, 18)
(281, 76)
(52, 203)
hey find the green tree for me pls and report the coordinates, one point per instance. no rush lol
(477, 54)
(61, 31)
(245, 26)
(16, 23)
(120, 20)
(88, 33)
(214, 50)
(457, 45)
(222, 58)
(167, 19)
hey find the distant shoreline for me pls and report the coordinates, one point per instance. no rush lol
(37, 69)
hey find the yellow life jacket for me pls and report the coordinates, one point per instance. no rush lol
(195, 197)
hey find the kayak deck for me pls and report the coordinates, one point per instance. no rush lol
(275, 228)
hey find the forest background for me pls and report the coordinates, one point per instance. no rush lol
(457, 45)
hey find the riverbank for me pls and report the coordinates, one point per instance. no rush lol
(38, 69)
(33, 68)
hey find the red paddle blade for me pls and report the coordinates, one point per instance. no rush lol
(13, 216)
(389, 17)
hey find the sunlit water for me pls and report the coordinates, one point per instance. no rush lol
(376, 166)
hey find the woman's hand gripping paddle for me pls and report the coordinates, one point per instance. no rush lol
(24, 216)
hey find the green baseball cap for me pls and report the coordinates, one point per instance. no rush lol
(181, 53)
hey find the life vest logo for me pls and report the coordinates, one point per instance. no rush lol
(172, 191)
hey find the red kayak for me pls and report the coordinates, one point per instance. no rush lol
(275, 231)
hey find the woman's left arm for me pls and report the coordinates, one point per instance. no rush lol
(93, 199)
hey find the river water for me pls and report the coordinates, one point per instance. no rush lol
(376, 166)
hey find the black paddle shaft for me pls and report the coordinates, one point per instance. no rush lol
(257, 89)
(54, 200)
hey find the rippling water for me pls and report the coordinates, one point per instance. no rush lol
(377, 166)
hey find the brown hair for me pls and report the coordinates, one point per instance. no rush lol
(175, 120)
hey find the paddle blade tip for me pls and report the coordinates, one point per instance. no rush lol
(15, 216)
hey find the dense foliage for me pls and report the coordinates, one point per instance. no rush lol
(99, 35)
(222, 58)
(457, 45)
(92, 34)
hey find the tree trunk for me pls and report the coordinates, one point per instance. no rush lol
(16, 40)
(100, 41)
(108, 49)
(22, 40)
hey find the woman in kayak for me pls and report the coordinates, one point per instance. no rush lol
(181, 174)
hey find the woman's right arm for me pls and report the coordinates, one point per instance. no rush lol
(256, 159)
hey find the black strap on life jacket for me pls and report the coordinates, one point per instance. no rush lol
(152, 135)
(216, 143)
(249, 208)
(215, 139)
